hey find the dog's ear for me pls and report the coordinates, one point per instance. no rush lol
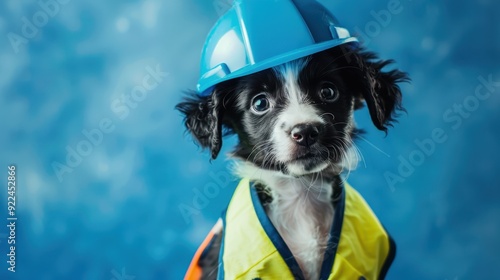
(380, 88)
(203, 119)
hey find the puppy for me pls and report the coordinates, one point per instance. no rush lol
(296, 130)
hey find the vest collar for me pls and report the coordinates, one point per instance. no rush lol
(279, 243)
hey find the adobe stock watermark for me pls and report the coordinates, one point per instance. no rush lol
(381, 19)
(121, 107)
(201, 197)
(454, 117)
(373, 28)
(221, 6)
(121, 275)
(31, 26)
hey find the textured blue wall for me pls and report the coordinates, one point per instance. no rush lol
(113, 211)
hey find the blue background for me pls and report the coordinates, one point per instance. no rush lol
(116, 214)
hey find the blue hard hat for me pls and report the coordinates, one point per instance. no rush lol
(255, 35)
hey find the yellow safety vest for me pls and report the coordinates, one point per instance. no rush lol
(359, 247)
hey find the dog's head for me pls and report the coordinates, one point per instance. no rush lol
(298, 117)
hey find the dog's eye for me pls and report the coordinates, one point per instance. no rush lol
(329, 94)
(260, 103)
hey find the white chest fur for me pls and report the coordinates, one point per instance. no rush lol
(302, 213)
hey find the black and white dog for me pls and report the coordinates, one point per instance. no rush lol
(296, 130)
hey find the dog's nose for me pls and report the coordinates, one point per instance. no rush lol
(306, 134)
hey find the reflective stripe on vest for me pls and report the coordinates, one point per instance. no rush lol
(359, 247)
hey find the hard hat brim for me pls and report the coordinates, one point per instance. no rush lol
(206, 83)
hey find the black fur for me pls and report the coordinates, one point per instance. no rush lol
(209, 259)
(203, 119)
(378, 88)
